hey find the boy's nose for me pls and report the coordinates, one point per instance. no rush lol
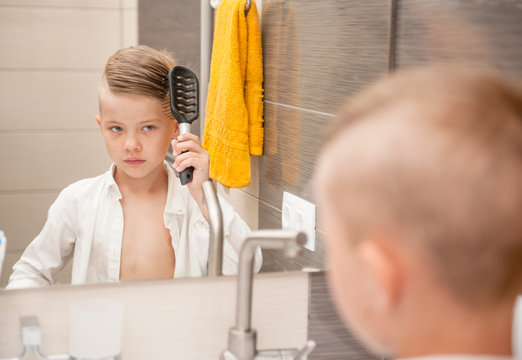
(132, 143)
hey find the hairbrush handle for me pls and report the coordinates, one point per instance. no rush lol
(186, 175)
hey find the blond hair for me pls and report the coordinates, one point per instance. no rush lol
(139, 70)
(435, 154)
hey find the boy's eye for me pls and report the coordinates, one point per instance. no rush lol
(148, 127)
(115, 128)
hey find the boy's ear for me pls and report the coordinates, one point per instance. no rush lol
(175, 131)
(98, 120)
(384, 271)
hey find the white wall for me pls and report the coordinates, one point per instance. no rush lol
(53, 52)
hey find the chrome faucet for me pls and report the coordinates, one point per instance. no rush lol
(242, 338)
(216, 237)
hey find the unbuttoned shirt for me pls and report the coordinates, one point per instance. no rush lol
(85, 224)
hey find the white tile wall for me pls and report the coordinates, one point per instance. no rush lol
(22, 216)
(50, 160)
(57, 37)
(9, 261)
(114, 4)
(51, 100)
(129, 34)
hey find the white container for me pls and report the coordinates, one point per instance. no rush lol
(95, 329)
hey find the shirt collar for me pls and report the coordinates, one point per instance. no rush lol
(112, 187)
(176, 198)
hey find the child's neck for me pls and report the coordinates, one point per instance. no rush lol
(154, 182)
(476, 333)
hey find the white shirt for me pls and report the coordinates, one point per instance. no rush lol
(85, 223)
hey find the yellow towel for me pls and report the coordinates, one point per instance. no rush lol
(234, 116)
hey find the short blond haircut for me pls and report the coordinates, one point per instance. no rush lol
(139, 70)
(447, 176)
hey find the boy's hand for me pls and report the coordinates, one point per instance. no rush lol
(188, 152)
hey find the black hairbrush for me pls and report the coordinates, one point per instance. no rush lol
(184, 101)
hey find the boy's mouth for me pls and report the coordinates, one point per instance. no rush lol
(132, 161)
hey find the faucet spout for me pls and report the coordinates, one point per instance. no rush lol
(242, 338)
(290, 242)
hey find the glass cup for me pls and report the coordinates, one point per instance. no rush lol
(95, 329)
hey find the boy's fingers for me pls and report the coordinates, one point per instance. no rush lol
(189, 136)
(188, 145)
(185, 163)
(196, 160)
(174, 144)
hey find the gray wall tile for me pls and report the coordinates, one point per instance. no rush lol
(318, 52)
(315, 55)
(292, 142)
(475, 32)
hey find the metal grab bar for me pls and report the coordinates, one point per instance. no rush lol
(216, 237)
(215, 4)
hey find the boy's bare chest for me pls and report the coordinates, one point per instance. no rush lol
(147, 251)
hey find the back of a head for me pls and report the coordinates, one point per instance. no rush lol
(436, 154)
(139, 70)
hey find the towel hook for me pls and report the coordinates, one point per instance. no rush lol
(215, 5)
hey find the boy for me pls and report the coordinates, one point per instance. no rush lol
(136, 221)
(423, 219)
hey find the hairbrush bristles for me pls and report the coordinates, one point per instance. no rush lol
(184, 94)
(166, 108)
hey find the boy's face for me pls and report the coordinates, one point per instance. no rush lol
(136, 131)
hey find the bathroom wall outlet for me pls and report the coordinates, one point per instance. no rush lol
(299, 214)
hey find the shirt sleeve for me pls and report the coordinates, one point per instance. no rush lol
(49, 251)
(235, 231)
